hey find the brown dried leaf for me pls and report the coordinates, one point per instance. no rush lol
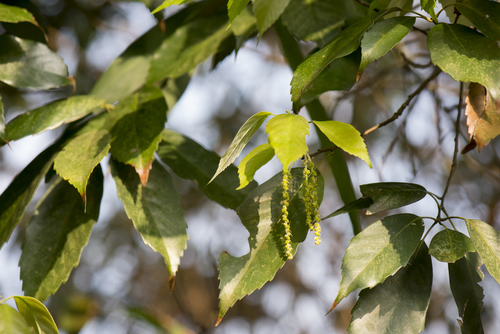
(483, 117)
(144, 173)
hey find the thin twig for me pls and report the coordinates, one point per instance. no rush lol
(398, 113)
(412, 64)
(366, 4)
(322, 150)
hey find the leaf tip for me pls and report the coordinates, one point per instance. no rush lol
(335, 303)
(144, 173)
(171, 282)
(219, 319)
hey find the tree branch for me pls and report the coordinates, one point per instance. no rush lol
(399, 112)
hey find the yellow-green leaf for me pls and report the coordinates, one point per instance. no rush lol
(486, 239)
(257, 158)
(36, 315)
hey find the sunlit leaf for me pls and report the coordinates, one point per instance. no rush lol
(190, 160)
(486, 239)
(346, 137)
(382, 37)
(399, 305)
(234, 8)
(51, 116)
(29, 64)
(36, 315)
(464, 276)
(15, 14)
(287, 135)
(391, 195)
(80, 155)
(260, 214)
(16, 197)
(257, 158)
(485, 15)
(314, 20)
(168, 3)
(344, 43)
(155, 210)
(267, 12)
(187, 47)
(245, 133)
(378, 252)
(139, 120)
(466, 55)
(2, 121)
(429, 6)
(483, 117)
(449, 246)
(11, 321)
(56, 234)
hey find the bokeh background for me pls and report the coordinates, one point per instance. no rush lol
(121, 286)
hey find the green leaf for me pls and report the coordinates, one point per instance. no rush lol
(449, 246)
(239, 142)
(36, 315)
(12, 322)
(464, 276)
(465, 55)
(243, 27)
(360, 203)
(234, 8)
(17, 196)
(168, 3)
(260, 214)
(449, 8)
(287, 135)
(344, 43)
(314, 20)
(486, 239)
(56, 234)
(191, 161)
(80, 155)
(51, 116)
(428, 6)
(485, 15)
(187, 47)
(267, 12)
(378, 252)
(2, 121)
(399, 305)
(13, 14)
(382, 37)
(139, 120)
(257, 158)
(339, 75)
(155, 210)
(25, 63)
(346, 137)
(391, 195)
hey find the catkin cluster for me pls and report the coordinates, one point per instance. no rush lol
(284, 213)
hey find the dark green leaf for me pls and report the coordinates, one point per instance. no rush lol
(267, 12)
(174, 88)
(340, 74)
(243, 27)
(399, 305)
(391, 195)
(155, 210)
(56, 234)
(257, 158)
(11, 321)
(466, 55)
(346, 137)
(464, 276)
(187, 47)
(378, 252)
(287, 135)
(16, 197)
(361, 203)
(241, 139)
(315, 20)
(15, 14)
(382, 37)
(449, 246)
(484, 14)
(486, 239)
(449, 8)
(139, 120)
(80, 155)
(190, 160)
(51, 116)
(36, 315)
(260, 214)
(346, 42)
(25, 63)
(234, 8)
